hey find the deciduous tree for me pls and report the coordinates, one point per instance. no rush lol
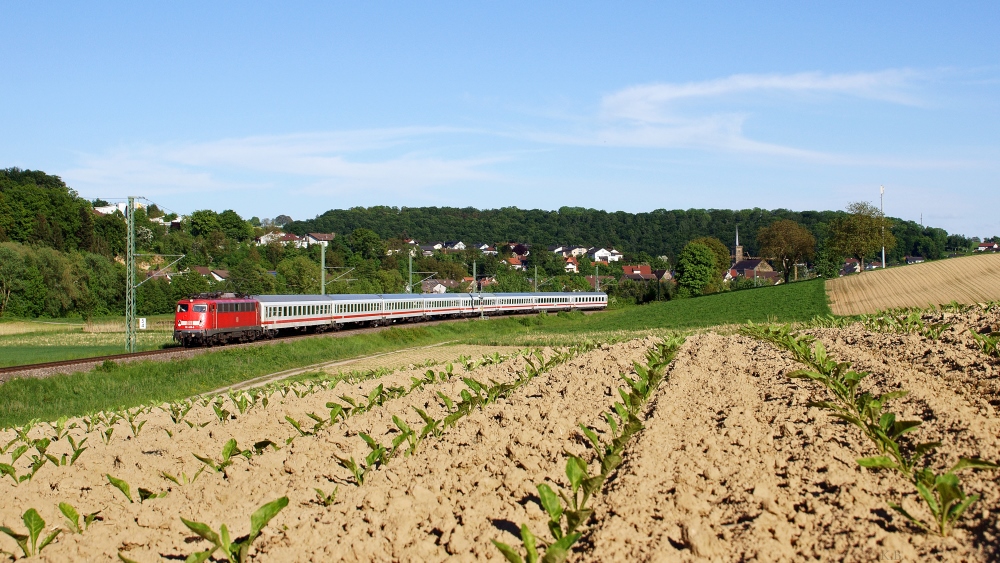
(719, 251)
(786, 242)
(862, 233)
(696, 269)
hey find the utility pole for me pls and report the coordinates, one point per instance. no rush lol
(130, 292)
(535, 280)
(322, 270)
(597, 277)
(409, 285)
(881, 204)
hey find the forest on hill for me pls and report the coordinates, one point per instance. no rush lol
(655, 233)
(59, 257)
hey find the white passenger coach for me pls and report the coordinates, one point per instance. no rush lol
(323, 312)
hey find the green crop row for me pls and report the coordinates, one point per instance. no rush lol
(475, 395)
(941, 492)
(568, 510)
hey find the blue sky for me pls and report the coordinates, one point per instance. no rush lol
(296, 108)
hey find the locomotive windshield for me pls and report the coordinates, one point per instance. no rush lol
(182, 308)
(200, 308)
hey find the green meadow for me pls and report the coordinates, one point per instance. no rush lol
(113, 386)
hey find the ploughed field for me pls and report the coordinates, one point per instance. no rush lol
(730, 462)
(967, 280)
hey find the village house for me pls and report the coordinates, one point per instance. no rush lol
(515, 262)
(217, 275)
(988, 245)
(643, 272)
(442, 286)
(317, 238)
(572, 267)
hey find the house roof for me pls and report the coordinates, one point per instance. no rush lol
(639, 277)
(640, 269)
(514, 260)
(747, 264)
(203, 270)
(321, 236)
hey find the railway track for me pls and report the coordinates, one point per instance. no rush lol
(51, 368)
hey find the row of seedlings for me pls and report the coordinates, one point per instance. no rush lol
(941, 491)
(568, 510)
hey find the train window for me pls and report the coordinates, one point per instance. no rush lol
(182, 308)
(201, 308)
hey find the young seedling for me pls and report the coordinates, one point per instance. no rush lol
(449, 405)
(358, 471)
(379, 455)
(295, 424)
(405, 435)
(183, 479)
(336, 411)
(431, 426)
(73, 518)
(240, 401)
(944, 496)
(78, 448)
(234, 551)
(29, 542)
(229, 449)
(132, 418)
(222, 414)
(327, 499)
(106, 435)
(144, 494)
(178, 411)
(59, 427)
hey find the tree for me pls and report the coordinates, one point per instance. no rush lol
(862, 233)
(11, 272)
(301, 275)
(281, 220)
(719, 251)
(249, 278)
(366, 243)
(786, 242)
(204, 222)
(234, 226)
(696, 269)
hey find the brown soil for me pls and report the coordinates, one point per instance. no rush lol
(968, 280)
(732, 465)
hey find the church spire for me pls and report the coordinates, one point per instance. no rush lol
(738, 255)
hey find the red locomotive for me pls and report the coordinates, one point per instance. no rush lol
(217, 319)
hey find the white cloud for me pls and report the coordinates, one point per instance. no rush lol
(656, 115)
(324, 163)
(650, 103)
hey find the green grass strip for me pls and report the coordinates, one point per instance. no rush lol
(145, 382)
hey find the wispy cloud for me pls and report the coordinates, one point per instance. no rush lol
(652, 103)
(665, 115)
(387, 160)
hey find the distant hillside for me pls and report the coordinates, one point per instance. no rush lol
(655, 233)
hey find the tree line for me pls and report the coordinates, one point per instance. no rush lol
(59, 258)
(656, 233)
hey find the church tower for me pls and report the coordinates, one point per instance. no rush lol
(739, 249)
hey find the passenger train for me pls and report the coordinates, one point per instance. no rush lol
(210, 319)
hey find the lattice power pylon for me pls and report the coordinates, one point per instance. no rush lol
(130, 287)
